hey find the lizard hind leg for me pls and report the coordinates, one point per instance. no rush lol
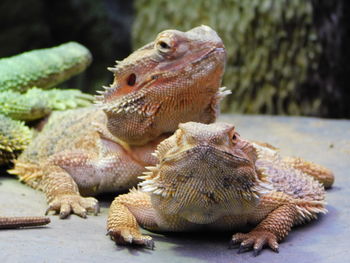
(126, 213)
(61, 191)
(319, 172)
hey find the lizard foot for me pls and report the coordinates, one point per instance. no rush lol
(67, 204)
(127, 236)
(255, 239)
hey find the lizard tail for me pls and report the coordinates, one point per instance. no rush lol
(18, 222)
(318, 172)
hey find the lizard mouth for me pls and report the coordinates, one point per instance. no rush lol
(218, 53)
(211, 52)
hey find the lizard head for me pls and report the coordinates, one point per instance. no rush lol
(204, 172)
(174, 79)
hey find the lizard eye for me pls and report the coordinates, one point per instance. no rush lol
(163, 46)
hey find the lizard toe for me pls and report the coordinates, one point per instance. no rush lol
(54, 206)
(258, 245)
(149, 243)
(128, 236)
(79, 210)
(145, 241)
(65, 210)
(91, 204)
(255, 240)
(68, 204)
(273, 244)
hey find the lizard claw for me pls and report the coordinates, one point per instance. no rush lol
(48, 210)
(149, 244)
(255, 239)
(67, 204)
(128, 236)
(96, 208)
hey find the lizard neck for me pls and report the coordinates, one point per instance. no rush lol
(156, 116)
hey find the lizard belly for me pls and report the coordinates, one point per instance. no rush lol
(112, 169)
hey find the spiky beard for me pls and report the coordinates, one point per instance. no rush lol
(179, 197)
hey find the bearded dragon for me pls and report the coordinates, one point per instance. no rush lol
(209, 178)
(104, 148)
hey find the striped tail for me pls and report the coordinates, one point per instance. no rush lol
(19, 222)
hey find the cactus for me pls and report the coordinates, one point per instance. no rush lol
(23, 80)
(37, 103)
(43, 68)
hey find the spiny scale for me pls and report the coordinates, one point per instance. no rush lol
(111, 69)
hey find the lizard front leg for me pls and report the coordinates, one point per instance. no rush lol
(63, 196)
(61, 191)
(272, 229)
(126, 213)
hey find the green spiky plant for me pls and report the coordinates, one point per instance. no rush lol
(43, 68)
(37, 103)
(14, 137)
(24, 80)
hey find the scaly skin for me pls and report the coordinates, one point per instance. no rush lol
(32, 105)
(209, 177)
(104, 148)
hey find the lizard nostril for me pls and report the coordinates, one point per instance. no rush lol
(131, 79)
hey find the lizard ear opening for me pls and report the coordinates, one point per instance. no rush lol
(121, 87)
(131, 80)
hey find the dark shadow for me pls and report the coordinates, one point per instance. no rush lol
(105, 199)
(133, 250)
(109, 197)
(211, 246)
(4, 173)
(26, 228)
(334, 189)
(208, 246)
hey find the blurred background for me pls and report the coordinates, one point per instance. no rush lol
(284, 57)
